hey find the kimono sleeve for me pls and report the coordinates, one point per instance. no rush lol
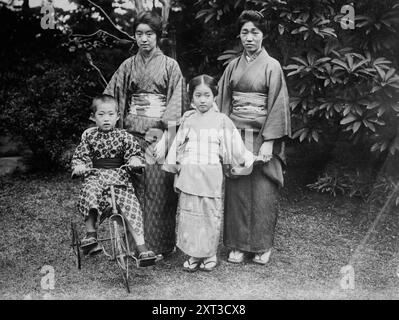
(118, 87)
(82, 155)
(223, 99)
(172, 162)
(234, 152)
(175, 95)
(132, 148)
(278, 122)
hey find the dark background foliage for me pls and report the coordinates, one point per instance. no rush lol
(343, 83)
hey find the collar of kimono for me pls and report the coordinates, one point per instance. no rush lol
(157, 52)
(105, 131)
(252, 57)
(210, 111)
(214, 107)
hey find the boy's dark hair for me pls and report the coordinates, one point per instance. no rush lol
(252, 16)
(103, 98)
(152, 19)
(202, 79)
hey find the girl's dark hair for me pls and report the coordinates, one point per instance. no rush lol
(252, 16)
(103, 98)
(202, 79)
(152, 19)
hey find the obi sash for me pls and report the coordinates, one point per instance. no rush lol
(108, 163)
(145, 111)
(248, 109)
(149, 105)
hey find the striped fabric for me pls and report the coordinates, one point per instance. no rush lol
(155, 78)
(150, 95)
(249, 104)
(149, 105)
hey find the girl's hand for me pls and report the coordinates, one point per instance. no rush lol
(259, 158)
(266, 151)
(136, 163)
(152, 135)
(79, 170)
(160, 148)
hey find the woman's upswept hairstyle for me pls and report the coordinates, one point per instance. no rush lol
(253, 16)
(202, 79)
(152, 19)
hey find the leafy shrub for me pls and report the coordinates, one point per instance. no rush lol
(49, 113)
(382, 190)
(342, 82)
(332, 184)
(360, 185)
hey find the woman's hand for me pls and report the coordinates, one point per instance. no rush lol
(79, 170)
(159, 151)
(136, 163)
(266, 151)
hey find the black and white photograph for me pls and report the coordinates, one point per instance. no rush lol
(202, 153)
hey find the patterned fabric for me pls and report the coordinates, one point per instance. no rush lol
(159, 201)
(250, 212)
(261, 76)
(96, 145)
(249, 105)
(251, 201)
(198, 225)
(157, 75)
(203, 144)
(148, 105)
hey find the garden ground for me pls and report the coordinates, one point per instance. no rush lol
(316, 235)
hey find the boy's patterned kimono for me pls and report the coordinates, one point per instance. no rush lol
(116, 146)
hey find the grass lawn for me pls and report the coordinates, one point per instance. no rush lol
(316, 235)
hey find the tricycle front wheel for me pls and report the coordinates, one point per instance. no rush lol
(120, 247)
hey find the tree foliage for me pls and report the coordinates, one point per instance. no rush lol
(342, 82)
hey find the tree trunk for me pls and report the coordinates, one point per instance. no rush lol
(25, 5)
(138, 4)
(165, 14)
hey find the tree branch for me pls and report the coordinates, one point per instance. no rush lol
(165, 13)
(139, 5)
(110, 20)
(88, 56)
(95, 33)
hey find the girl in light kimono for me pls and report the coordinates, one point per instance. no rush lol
(206, 139)
(149, 89)
(253, 93)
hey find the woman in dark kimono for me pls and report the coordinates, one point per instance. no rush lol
(253, 93)
(149, 89)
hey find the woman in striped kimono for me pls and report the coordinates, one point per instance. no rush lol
(149, 89)
(253, 93)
